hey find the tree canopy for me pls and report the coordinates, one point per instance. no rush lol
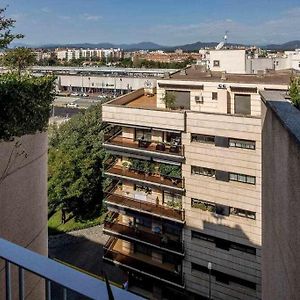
(75, 165)
(6, 25)
(294, 91)
(18, 59)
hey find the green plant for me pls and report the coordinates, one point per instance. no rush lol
(125, 164)
(170, 170)
(24, 104)
(169, 100)
(148, 167)
(294, 91)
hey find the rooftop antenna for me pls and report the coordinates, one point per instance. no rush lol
(221, 44)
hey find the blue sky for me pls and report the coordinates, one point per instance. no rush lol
(167, 22)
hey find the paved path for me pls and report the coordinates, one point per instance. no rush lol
(84, 249)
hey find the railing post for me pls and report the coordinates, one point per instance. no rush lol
(48, 289)
(8, 280)
(21, 283)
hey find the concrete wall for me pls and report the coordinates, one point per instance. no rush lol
(23, 202)
(281, 205)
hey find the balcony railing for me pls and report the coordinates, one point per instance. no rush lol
(53, 272)
(146, 207)
(167, 182)
(137, 234)
(141, 266)
(172, 151)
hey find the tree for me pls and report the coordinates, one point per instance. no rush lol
(19, 59)
(169, 100)
(75, 165)
(294, 91)
(6, 24)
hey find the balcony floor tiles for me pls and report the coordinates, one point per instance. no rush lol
(147, 207)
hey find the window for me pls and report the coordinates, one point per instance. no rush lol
(143, 134)
(216, 63)
(201, 138)
(242, 178)
(182, 99)
(222, 210)
(214, 95)
(242, 104)
(203, 205)
(143, 222)
(203, 171)
(243, 213)
(224, 278)
(173, 138)
(173, 200)
(222, 243)
(143, 249)
(244, 144)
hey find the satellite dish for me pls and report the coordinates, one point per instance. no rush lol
(221, 44)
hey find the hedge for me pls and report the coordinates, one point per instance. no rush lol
(25, 103)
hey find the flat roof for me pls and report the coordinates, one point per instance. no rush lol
(195, 74)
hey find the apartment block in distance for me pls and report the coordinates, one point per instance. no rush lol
(186, 184)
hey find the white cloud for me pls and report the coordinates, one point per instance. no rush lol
(89, 17)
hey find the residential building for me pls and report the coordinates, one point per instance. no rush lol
(280, 197)
(187, 183)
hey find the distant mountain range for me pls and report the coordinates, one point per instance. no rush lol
(153, 46)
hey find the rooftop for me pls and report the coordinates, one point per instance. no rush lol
(195, 73)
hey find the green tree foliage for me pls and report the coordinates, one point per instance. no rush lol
(75, 165)
(18, 59)
(6, 24)
(24, 104)
(169, 100)
(294, 91)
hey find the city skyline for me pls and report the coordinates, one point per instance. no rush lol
(92, 22)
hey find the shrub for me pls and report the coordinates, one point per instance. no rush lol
(24, 104)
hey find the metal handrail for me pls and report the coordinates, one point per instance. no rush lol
(53, 272)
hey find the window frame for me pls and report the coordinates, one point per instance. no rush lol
(233, 143)
(204, 138)
(202, 172)
(238, 178)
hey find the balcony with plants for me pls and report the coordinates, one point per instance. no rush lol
(166, 145)
(160, 175)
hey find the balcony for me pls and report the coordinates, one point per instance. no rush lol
(52, 272)
(152, 209)
(145, 236)
(141, 263)
(168, 183)
(119, 145)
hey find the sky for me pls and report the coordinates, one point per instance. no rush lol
(166, 22)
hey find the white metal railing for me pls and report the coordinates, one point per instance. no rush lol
(54, 272)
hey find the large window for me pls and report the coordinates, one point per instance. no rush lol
(202, 138)
(182, 99)
(143, 134)
(224, 278)
(222, 243)
(242, 178)
(203, 171)
(242, 104)
(244, 144)
(243, 213)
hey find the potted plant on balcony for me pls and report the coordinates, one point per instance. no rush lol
(148, 168)
(169, 100)
(125, 165)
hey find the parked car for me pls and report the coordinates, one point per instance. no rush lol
(72, 104)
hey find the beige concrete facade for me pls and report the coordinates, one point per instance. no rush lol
(23, 203)
(230, 239)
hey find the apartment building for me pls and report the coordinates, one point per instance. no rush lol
(185, 193)
(69, 54)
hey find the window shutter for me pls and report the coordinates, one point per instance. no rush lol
(221, 141)
(222, 175)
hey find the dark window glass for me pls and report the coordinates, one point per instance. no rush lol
(216, 63)
(143, 134)
(203, 171)
(244, 144)
(202, 236)
(243, 213)
(222, 176)
(222, 210)
(143, 249)
(182, 99)
(242, 178)
(242, 104)
(201, 138)
(214, 95)
(143, 222)
(221, 141)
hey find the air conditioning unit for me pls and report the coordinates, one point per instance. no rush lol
(199, 99)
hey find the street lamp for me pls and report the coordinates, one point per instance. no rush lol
(209, 266)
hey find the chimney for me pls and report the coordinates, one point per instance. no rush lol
(223, 76)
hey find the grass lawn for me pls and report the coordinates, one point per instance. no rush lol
(55, 225)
